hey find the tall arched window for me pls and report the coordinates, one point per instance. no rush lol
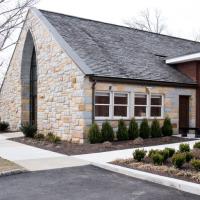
(33, 89)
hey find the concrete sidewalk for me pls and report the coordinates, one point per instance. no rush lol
(32, 158)
(105, 157)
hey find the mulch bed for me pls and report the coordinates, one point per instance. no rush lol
(76, 149)
(166, 170)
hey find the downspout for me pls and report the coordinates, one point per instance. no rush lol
(93, 96)
(198, 97)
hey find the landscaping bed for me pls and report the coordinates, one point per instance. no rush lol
(183, 164)
(65, 147)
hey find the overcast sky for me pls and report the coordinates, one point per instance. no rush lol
(181, 16)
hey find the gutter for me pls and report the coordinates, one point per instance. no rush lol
(142, 82)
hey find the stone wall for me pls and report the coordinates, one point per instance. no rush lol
(171, 100)
(64, 93)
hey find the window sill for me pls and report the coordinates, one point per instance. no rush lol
(128, 119)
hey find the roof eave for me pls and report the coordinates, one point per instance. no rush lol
(183, 59)
(142, 82)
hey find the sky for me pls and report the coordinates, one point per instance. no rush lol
(181, 16)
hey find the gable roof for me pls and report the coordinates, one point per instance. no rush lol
(120, 52)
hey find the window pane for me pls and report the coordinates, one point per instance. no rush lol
(156, 100)
(120, 111)
(102, 111)
(155, 111)
(102, 98)
(140, 99)
(140, 111)
(121, 99)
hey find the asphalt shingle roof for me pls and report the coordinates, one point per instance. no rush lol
(116, 51)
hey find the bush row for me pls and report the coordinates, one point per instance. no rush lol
(132, 132)
(178, 159)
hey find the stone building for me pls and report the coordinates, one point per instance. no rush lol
(67, 72)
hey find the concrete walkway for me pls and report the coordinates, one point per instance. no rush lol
(105, 157)
(32, 158)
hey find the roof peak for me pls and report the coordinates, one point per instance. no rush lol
(126, 27)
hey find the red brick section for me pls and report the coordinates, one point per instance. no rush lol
(192, 70)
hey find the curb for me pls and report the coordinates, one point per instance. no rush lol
(185, 186)
(12, 172)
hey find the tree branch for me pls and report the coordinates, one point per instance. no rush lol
(11, 18)
(146, 22)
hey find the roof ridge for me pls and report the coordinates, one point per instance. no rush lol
(126, 27)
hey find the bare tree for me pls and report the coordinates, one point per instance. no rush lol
(148, 21)
(196, 36)
(12, 14)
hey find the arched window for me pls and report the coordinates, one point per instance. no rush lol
(33, 89)
(29, 82)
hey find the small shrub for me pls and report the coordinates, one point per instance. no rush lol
(122, 132)
(39, 136)
(49, 136)
(155, 129)
(28, 130)
(53, 138)
(184, 147)
(133, 131)
(165, 154)
(144, 129)
(94, 135)
(157, 158)
(139, 154)
(167, 129)
(178, 160)
(151, 152)
(196, 164)
(171, 151)
(107, 132)
(197, 145)
(57, 139)
(4, 126)
(188, 156)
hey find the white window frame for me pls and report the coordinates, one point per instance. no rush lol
(125, 105)
(134, 105)
(160, 106)
(110, 103)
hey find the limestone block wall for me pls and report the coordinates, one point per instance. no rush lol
(171, 100)
(64, 93)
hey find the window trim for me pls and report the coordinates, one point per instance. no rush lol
(125, 105)
(110, 105)
(160, 106)
(130, 108)
(134, 105)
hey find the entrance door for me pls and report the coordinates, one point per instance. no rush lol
(33, 90)
(183, 111)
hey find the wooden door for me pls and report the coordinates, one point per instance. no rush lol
(183, 111)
